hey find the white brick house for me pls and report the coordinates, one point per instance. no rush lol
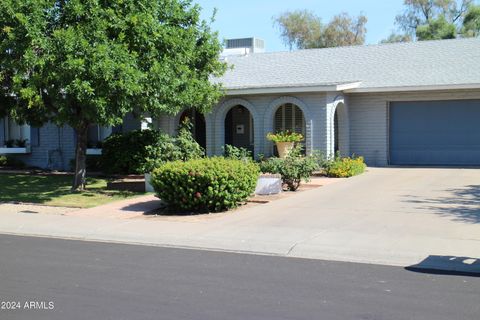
(407, 103)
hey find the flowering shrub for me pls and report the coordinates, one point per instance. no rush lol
(285, 136)
(205, 185)
(345, 167)
(293, 168)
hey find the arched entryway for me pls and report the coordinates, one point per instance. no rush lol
(239, 128)
(199, 128)
(341, 132)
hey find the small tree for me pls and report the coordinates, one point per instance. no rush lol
(82, 62)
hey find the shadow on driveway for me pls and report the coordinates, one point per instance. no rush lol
(449, 265)
(143, 206)
(463, 204)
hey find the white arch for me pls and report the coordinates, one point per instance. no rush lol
(339, 104)
(269, 121)
(221, 114)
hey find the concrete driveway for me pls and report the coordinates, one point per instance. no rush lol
(398, 216)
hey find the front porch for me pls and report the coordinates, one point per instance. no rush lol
(322, 118)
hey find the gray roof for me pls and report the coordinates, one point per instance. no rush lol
(427, 63)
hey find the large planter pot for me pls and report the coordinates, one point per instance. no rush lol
(284, 148)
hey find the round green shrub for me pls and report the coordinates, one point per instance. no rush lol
(205, 185)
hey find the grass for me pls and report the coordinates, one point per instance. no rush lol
(54, 190)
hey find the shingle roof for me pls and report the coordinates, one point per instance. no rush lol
(426, 63)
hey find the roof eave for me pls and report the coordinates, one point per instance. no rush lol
(292, 89)
(415, 88)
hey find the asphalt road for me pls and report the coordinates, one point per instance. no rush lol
(85, 280)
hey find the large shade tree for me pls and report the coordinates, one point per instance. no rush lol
(303, 29)
(83, 62)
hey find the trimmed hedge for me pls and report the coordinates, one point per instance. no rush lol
(205, 185)
(345, 167)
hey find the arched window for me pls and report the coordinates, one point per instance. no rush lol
(289, 117)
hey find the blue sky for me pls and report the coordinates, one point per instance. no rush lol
(245, 18)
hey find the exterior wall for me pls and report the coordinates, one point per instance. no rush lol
(369, 119)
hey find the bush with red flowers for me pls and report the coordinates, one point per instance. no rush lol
(205, 185)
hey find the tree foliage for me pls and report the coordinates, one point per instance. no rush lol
(80, 62)
(396, 37)
(344, 30)
(303, 29)
(299, 29)
(471, 22)
(437, 19)
(436, 29)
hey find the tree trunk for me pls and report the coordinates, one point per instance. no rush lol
(80, 159)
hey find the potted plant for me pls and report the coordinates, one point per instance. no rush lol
(21, 143)
(285, 141)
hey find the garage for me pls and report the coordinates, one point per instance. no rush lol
(435, 133)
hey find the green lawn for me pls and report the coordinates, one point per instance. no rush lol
(54, 190)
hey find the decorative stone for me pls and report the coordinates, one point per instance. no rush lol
(148, 186)
(269, 184)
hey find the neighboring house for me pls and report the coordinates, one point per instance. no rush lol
(51, 146)
(412, 103)
(395, 104)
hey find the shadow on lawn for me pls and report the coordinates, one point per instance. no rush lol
(462, 204)
(39, 188)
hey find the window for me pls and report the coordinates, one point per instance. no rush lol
(96, 135)
(289, 117)
(15, 135)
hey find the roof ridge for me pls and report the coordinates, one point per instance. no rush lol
(409, 43)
